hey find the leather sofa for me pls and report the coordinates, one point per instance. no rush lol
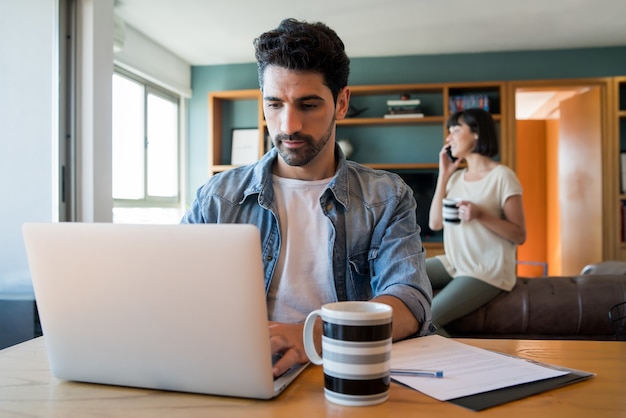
(575, 307)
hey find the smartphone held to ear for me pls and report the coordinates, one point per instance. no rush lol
(449, 152)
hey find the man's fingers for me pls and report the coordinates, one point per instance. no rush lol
(289, 358)
(286, 339)
(278, 343)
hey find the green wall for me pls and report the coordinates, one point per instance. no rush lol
(495, 66)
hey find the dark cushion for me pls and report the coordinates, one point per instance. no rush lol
(548, 307)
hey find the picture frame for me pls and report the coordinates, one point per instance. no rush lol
(245, 146)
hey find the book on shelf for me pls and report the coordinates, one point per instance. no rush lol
(405, 109)
(623, 171)
(402, 102)
(403, 115)
(471, 101)
(410, 111)
(623, 219)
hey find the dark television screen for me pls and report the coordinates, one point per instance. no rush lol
(423, 184)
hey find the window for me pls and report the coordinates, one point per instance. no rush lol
(146, 172)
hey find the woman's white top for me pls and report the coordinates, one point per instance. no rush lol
(471, 249)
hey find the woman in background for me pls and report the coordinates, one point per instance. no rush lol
(480, 250)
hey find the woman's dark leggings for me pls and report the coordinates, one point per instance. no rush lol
(458, 296)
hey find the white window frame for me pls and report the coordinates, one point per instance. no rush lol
(156, 203)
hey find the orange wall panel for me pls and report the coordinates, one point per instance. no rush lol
(531, 170)
(554, 255)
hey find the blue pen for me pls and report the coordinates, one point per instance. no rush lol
(413, 372)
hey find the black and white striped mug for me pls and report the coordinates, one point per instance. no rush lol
(451, 211)
(356, 351)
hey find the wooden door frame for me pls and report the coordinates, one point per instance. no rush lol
(610, 147)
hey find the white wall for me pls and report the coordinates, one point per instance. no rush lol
(29, 117)
(94, 72)
(28, 127)
(153, 62)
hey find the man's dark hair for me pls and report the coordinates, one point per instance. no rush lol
(481, 123)
(302, 46)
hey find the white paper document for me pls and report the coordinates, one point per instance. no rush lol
(467, 370)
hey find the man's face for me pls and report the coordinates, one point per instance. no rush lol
(300, 114)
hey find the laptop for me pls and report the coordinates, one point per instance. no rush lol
(169, 307)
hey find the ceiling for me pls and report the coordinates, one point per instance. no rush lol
(211, 32)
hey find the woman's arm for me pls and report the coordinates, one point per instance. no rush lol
(512, 227)
(446, 169)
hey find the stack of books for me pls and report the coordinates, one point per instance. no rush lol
(404, 108)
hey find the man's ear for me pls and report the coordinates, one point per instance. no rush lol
(343, 103)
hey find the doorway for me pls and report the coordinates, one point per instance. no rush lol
(558, 134)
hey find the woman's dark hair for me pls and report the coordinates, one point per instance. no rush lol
(302, 46)
(481, 123)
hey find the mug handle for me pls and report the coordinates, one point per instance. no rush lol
(307, 337)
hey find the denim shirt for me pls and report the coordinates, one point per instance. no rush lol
(375, 239)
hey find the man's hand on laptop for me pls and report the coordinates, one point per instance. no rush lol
(286, 339)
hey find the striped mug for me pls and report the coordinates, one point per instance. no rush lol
(356, 351)
(451, 211)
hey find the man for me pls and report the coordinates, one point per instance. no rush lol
(331, 229)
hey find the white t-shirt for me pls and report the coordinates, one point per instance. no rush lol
(302, 281)
(470, 248)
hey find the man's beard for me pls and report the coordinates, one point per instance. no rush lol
(304, 154)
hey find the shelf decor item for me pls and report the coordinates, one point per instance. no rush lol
(346, 147)
(245, 146)
(353, 112)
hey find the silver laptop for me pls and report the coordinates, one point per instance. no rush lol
(170, 307)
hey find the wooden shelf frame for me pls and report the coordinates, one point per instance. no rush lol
(619, 102)
(438, 92)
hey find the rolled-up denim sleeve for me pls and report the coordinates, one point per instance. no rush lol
(399, 269)
(417, 302)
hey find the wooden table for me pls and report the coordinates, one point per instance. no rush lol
(27, 389)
